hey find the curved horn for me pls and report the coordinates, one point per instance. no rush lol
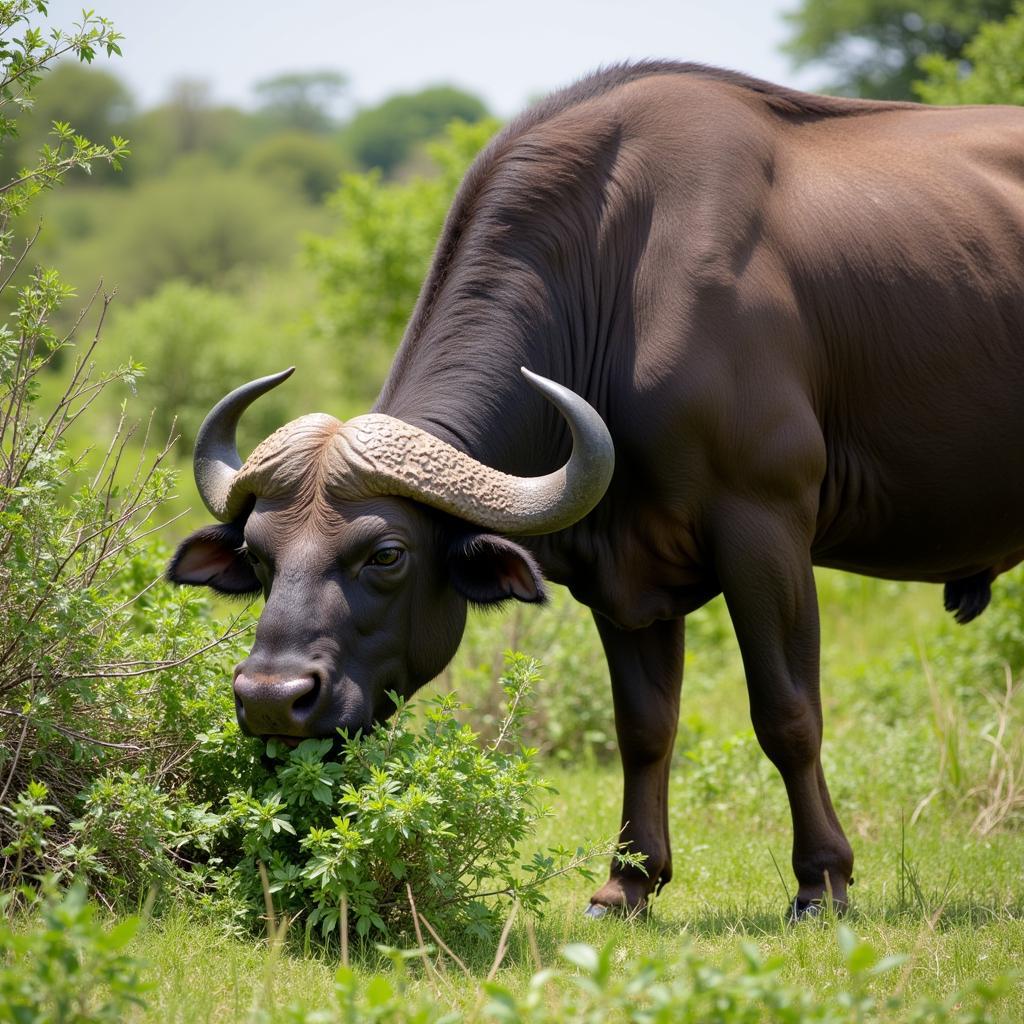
(393, 457)
(216, 460)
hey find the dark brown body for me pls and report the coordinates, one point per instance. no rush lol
(803, 322)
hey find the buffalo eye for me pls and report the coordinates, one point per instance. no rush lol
(386, 557)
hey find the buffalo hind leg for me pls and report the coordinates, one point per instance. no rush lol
(646, 667)
(764, 568)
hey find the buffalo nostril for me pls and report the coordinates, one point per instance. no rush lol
(307, 701)
(268, 706)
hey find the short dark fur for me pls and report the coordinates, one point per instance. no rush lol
(801, 319)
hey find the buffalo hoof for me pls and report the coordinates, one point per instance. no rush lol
(803, 910)
(596, 911)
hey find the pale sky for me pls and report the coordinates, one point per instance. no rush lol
(507, 53)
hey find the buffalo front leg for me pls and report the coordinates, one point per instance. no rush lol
(764, 567)
(646, 667)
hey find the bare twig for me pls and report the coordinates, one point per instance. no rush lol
(160, 666)
(70, 733)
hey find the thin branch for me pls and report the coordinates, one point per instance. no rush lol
(443, 945)
(160, 666)
(70, 733)
(14, 762)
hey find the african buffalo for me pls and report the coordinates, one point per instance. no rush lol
(801, 319)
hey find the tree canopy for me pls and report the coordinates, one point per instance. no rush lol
(872, 46)
(996, 56)
(386, 135)
(302, 100)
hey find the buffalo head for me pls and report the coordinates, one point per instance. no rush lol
(367, 539)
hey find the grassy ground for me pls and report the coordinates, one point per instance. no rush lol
(912, 755)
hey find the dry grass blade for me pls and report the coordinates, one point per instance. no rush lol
(499, 955)
(343, 928)
(268, 900)
(1002, 792)
(430, 968)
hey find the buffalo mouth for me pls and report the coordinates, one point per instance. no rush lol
(289, 741)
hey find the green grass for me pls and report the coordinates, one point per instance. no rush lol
(909, 767)
(954, 903)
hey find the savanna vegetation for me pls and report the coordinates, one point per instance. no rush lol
(157, 865)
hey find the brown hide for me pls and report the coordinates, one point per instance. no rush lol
(802, 319)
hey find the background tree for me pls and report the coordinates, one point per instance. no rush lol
(385, 136)
(302, 101)
(996, 59)
(872, 46)
(303, 164)
(371, 267)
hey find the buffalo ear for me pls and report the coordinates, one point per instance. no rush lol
(212, 557)
(488, 569)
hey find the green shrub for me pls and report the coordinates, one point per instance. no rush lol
(97, 666)
(303, 164)
(429, 812)
(995, 56)
(383, 137)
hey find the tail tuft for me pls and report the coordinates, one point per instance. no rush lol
(969, 597)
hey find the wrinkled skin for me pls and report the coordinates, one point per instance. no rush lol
(800, 318)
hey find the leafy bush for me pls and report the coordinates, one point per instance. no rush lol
(66, 968)
(403, 818)
(197, 223)
(196, 345)
(303, 164)
(96, 664)
(83, 634)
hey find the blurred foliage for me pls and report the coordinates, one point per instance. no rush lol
(196, 343)
(299, 164)
(302, 100)
(67, 968)
(385, 136)
(871, 46)
(186, 124)
(371, 268)
(588, 985)
(994, 72)
(197, 223)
